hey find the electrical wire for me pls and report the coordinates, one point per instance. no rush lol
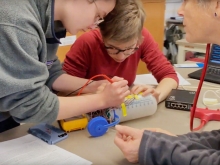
(77, 89)
(201, 125)
(195, 87)
(89, 82)
(99, 112)
(99, 75)
(206, 83)
(129, 101)
(199, 89)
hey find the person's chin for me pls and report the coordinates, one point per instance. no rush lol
(118, 60)
(73, 31)
(190, 39)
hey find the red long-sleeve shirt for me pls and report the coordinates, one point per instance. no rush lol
(88, 57)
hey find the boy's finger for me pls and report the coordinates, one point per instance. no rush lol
(134, 88)
(121, 83)
(115, 78)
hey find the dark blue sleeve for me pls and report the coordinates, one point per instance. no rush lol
(161, 149)
(208, 139)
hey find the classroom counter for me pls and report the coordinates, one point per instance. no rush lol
(102, 150)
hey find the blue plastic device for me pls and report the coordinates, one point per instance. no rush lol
(48, 133)
(98, 126)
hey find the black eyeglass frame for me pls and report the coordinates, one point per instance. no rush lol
(120, 50)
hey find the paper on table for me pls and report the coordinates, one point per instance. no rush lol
(150, 80)
(69, 40)
(31, 150)
(193, 65)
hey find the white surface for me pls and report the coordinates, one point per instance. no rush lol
(69, 40)
(194, 65)
(172, 9)
(150, 80)
(29, 150)
(137, 108)
(210, 101)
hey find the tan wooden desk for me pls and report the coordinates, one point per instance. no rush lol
(102, 151)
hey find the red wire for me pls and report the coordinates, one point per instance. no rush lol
(201, 125)
(199, 89)
(99, 75)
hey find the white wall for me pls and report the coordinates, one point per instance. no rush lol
(171, 9)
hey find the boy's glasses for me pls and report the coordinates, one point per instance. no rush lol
(115, 51)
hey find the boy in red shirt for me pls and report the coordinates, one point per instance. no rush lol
(117, 48)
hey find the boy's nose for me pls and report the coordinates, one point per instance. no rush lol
(121, 56)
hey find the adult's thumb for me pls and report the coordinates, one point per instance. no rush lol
(128, 131)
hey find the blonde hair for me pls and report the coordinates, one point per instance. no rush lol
(125, 22)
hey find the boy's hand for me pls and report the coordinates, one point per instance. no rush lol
(145, 89)
(114, 93)
(103, 83)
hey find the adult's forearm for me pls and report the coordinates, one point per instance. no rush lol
(161, 149)
(208, 139)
